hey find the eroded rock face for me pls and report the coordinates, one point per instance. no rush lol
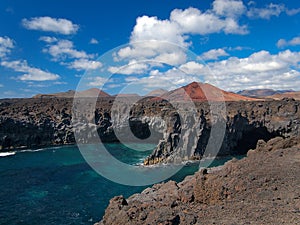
(29, 123)
(40, 122)
(244, 124)
(262, 188)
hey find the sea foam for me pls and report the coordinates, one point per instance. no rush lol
(3, 154)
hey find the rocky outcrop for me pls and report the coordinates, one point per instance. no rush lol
(244, 124)
(262, 188)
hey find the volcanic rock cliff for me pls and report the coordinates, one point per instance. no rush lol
(243, 125)
(31, 123)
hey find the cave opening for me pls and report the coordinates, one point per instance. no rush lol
(250, 138)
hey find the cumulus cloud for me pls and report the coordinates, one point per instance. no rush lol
(48, 39)
(133, 67)
(65, 53)
(97, 82)
(151, 28)
(57, 25)
(213, 54)
(191, 67)
(85, 64)
(270, 10)
(29, 73)
(64, 49)
(292, 12)
(183, 23)
(229, 8)
(94, 41)
(193, 21)
(151, 37)
(165, 80)
(284, 43)
(6, 44)
(259, 70)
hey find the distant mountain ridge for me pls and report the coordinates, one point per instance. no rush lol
(194, 91)
(157, 92)
(92, 92)
(293, 94)
(261, 93)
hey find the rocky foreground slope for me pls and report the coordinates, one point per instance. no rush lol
(263, 188)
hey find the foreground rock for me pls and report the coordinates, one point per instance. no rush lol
(263, 188)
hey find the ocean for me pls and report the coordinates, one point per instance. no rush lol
(56, 186)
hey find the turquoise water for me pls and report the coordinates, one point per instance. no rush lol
(56, 186)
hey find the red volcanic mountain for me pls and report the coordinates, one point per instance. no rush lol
(199, 92)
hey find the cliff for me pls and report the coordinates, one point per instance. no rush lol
(262, 188)
(243, 124)
(30, 123)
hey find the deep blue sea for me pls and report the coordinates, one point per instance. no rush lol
(56, 186)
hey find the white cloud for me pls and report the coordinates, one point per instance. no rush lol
(48, 39)
(65, 52)
(283, 43)
(267, 12)
(191, 67)
(6, 44)
(230, 8)
(57, 25)
(292, 12)
(97, 82)
(85, 64)
(94, 41)
(259, 70)
(151, 37)
(170, 79)
(133, 67)
(151, 28)
(1, 85)
(193, 21)
(65, 49)
(173, 58)
(213, 54)
(30, 73)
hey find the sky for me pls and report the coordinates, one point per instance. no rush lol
(137, 46)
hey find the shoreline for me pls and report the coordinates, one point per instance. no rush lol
(261, 188)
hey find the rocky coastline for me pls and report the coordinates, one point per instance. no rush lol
(269, 127)
(35, 123)
(262, 188)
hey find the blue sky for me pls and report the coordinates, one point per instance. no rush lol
(50, 46)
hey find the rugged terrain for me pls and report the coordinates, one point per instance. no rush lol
(39, 122)
(182, 123)
(263, 188)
